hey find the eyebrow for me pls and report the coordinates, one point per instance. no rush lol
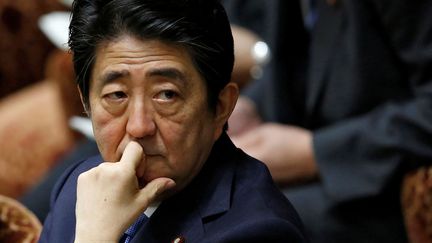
(111, 76)
(170, 73)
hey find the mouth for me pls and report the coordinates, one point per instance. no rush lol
(151, 151)
(147, 152)
(151, 154)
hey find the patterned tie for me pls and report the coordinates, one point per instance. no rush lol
(130, 232)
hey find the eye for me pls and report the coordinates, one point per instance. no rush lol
(166, 95)
(118, 95)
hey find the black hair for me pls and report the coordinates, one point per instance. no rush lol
(201, 26)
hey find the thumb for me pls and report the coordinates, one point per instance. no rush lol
(154, 189)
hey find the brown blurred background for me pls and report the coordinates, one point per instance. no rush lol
(37, 96)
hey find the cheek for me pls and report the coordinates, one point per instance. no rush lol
(187, 139)
(108, 133)
(186, 129)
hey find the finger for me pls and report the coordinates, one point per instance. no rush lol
(140, 170)
(132, 155)
(154, 189)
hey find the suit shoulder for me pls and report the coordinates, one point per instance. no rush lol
(255, 191)
(60, 222)
(72, 173)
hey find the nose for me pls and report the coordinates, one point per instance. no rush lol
(140, 121)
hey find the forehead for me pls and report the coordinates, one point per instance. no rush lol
(121, 56)
(127, 43)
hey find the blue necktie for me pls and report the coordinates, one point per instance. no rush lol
(130, 232)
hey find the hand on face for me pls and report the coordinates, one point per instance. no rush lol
(109, 197)
(150, 92)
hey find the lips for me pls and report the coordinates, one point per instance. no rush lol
(151, 150)
(147, 152)
(151, 154)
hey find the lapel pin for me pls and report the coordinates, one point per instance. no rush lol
(179, 239)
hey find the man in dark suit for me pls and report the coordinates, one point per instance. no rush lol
(352, 119)
(154, 78)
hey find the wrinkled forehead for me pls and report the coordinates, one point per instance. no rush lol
(130, 50)
(153, 46)
(127, 56)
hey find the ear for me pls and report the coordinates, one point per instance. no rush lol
(226, 103)
(86, 108)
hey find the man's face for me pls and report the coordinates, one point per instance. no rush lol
(150, 92)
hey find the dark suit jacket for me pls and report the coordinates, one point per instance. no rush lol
(232, 199)
(365, 92)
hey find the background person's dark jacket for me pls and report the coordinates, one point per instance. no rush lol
(366, 93)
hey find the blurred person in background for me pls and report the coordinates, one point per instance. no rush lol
(346, 105)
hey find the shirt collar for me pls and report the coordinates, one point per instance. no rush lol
(151, 209)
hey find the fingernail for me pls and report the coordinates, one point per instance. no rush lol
(170, 184)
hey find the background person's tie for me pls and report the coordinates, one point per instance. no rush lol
(130, 232)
